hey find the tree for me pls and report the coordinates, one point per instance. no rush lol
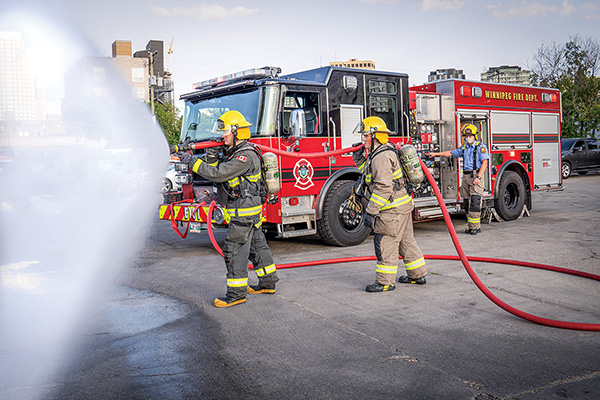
(169, 121)
(573, 69)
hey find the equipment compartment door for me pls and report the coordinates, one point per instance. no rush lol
(350, 116)
(546, 150)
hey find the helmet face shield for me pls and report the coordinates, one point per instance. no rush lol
(362, 129)
(221, 128)
(359, 129)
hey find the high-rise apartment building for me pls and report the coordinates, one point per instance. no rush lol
(511, 74)
(20, 97)
(446, 73)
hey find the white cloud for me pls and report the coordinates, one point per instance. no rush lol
(375, 2)
(591, 11)
(442, 5)
(567, 8)
(204, 11)
(526, 9)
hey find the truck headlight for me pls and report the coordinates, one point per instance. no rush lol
(181, 167)
(218, 215)
(183, 179)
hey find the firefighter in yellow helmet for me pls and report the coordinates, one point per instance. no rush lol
(239, 189)
(389, 208)
(475, 161)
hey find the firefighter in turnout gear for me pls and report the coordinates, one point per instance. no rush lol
(475, 160)
(389, 208)
(239, 188)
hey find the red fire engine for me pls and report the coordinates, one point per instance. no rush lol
(315, 111)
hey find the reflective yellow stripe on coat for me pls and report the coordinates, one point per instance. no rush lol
(245, 212)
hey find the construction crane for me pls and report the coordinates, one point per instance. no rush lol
(170, 57)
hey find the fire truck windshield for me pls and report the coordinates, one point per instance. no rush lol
(259, 107)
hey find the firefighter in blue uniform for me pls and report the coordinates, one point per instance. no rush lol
(475, 161)
(239, 188)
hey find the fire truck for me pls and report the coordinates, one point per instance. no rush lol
(315, 111)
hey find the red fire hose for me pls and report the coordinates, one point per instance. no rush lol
(202, 145)
(461, 255)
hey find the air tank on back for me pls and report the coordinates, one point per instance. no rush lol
(271, 172)
(411, 164)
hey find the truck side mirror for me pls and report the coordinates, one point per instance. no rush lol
(298, 123)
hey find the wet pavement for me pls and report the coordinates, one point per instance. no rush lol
(158, 336)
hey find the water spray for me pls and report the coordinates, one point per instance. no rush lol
(76, 202)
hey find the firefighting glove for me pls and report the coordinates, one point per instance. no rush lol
(369, 221)
(173, 148)
(213, 154)
(186, 157)
(361, 149)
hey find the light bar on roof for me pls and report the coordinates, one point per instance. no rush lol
(253, 73)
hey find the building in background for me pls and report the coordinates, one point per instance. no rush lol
(510, 74)
(135, 70)
(22, 111)
(354, 63)
(156, 81)
(447, 73)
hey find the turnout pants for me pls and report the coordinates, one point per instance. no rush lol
(472, 195)
(246, 241)
(394, 236)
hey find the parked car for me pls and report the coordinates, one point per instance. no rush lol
(6, 154)
(579, 155)
(169, 181)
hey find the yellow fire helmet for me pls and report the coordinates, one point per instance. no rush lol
(373, 125)
(469, 129)
(233, 121)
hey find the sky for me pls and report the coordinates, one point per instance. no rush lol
(213, 38)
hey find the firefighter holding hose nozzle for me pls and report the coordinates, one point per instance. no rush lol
(239, 187)
(475, 160)
(389, 209)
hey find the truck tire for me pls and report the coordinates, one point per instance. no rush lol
(340, 226)
(510, 197)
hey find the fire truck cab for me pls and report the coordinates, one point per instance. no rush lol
(316, 111)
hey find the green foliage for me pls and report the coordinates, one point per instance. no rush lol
(169, 121)
(573, 69)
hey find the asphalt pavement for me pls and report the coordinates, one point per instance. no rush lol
(321, 336)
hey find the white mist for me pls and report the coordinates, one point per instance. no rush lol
(74, 205)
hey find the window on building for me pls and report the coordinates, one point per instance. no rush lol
(310, 102)
(139, 93)
(137, 74)
(98, 74)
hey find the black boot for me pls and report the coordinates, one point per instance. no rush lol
(228, 301)
(377, 287)
(259, 289)
(418, 281)
(473, 231)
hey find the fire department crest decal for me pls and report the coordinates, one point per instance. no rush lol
(303, 172)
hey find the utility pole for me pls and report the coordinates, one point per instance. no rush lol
(151, 83)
